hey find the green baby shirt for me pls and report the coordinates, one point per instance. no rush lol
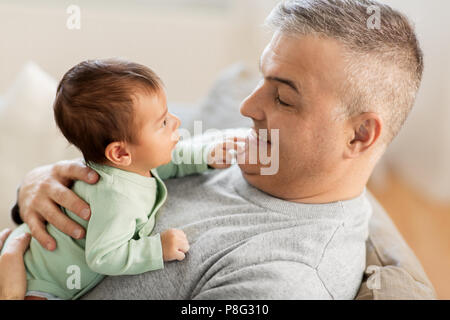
(118, 235)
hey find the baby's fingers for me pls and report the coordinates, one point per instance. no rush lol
(235, 143)
(184, 246)
(236, 138)
(179, 255)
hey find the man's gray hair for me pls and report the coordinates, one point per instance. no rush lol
(384, 64)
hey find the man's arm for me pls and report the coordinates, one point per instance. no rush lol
(284, 280)
(46, 187)
(13, 279)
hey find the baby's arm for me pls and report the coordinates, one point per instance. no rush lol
(187, 158)
(191, 157)
(111, 245)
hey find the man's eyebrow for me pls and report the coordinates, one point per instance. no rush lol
(288, 82)
(285, 81)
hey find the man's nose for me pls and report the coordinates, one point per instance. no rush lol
(252, 107)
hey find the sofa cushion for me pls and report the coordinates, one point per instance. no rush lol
(392, 270)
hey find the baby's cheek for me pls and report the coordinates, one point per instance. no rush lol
(165, 151)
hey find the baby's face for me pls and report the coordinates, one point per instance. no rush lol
(157, 135)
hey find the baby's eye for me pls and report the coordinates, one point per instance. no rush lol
(164, 123)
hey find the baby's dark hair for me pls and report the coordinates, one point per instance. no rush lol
(94, 103)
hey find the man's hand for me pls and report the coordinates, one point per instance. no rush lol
(222, 153)
(174, 244)
(43, 189)
(13, 279)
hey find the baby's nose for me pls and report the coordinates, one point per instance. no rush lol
(177, 121)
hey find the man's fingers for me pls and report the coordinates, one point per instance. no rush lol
(75, 170)
(3, 236)
(39, 232)
(18, 245)
(57, 218)
(69, 200)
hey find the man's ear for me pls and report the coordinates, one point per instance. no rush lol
(118, 153)
(366, 130)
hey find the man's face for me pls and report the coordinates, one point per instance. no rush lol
(299, 96)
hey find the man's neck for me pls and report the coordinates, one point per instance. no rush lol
(348, 186)
(328, 196)
(314, 192)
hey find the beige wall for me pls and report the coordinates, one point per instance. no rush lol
(186, 46)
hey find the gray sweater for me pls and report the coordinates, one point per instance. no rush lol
(246, 244)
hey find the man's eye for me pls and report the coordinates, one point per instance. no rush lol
(277, 99)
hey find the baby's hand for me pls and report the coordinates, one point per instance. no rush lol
(221, 154)
(174, 244)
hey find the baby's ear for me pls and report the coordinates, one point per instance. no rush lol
(118, 153)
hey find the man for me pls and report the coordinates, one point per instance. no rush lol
(338, 91)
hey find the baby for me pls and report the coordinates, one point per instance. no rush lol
(115, 112)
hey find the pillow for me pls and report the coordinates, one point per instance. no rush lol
(392, 270)
(28, 133)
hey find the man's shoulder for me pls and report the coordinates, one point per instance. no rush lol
(343, 260)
